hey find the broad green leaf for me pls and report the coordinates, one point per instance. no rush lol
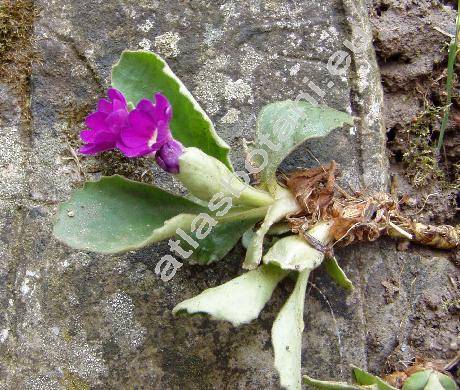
(116, 215)
(364, 378)
(219, 242)
(329, 385)
(287, 335)
(238, 301)
(282, 126)
(284, 204)
(294, 253)
(336, 272)
(140, 74)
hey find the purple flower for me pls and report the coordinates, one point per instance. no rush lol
(168, 156)
(105, 124)
(148, 128)
(144, 130)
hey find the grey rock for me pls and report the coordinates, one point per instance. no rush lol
(81, 319)
(12, 157)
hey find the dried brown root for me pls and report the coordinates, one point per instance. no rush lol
(441, 237)
(357, 217)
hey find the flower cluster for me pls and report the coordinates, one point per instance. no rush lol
(139, 132)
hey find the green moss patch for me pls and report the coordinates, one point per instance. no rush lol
(420, 157)
(16, 39)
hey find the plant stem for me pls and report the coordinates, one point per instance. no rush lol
(453, 48)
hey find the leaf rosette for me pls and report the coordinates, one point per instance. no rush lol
(115, 215)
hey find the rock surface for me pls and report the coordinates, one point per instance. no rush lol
(75, 320)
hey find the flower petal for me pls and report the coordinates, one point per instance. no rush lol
(164, 133)
(133, 151)
(115, 94)
(146, 105)
(106, 138)
(95, 148)
(141, 121)
(117, 120)
(119, 105)
(87, 136)
(162, 107)
(105, 106)
(133, 139)
(105, 124)
(96, 121)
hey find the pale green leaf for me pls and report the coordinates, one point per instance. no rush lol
(140, 74)
(284, 204)
(287, 335)
(429, 380)
(294, 253)
(446, 381)
(238, 301)
(116, 215)
(418, 381)
(433, 383)
(336, 272)
(282, 126)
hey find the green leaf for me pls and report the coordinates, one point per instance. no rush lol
(140, 74)
(429, 380)
(282, 126)
(329, 385)
(116, 215)
(364, 378)
(334, 270)
(222, 239)
(446, 381)
(287, 335)
(295, 254)
(433, 383)
(238, 301)
(417, 381)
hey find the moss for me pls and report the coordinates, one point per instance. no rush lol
(420, 158)
(16, 41)
(73, 382)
